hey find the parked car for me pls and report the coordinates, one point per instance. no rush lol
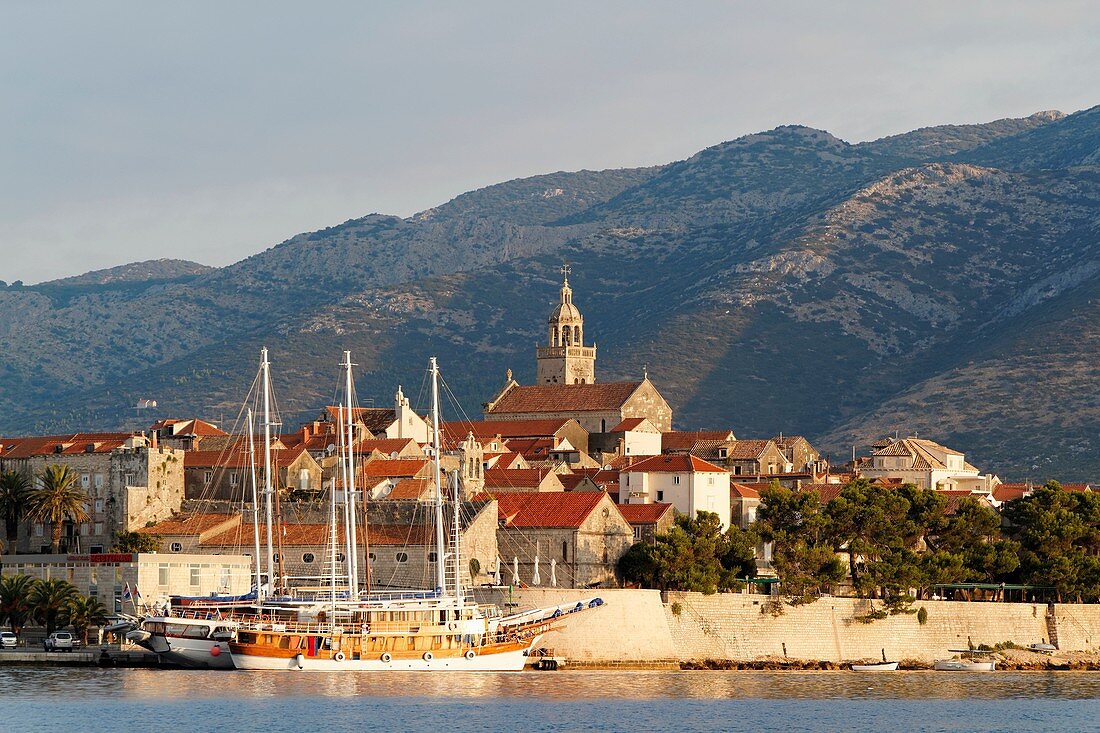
(59, 641)
(8, 640)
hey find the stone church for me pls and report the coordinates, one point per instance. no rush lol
(566, 385)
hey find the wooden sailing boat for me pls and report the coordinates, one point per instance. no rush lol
(427, 630)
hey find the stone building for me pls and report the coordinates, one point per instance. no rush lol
(154, 576)
(185, 434)
(129, 482)
(928, 465)
(800, 454)
(565, 383)
(565, 359)
(648, 520)
(686, 481)
(578, 538)
(226, 474)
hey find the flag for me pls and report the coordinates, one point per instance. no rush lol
(126, 596)
(137, 594)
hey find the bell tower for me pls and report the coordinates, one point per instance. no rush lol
(565, 359)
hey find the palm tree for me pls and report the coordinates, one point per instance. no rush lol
(59, 500)
(15, 600)
(50, 601)
(84, 612)
(15, 490)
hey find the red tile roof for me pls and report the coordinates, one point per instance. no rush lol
(485, 429)
(184, 525)
(393, 467)
(554, 509)
(565, 397)
(73, 444)
(386, 446)
(628, 424)
(375, 419)
(825, 492)
(684, 440)
(412, 489)
(239, 458)
(745, 491)
(674, 463)
(193, 426)
(514, 478)
(644, 513)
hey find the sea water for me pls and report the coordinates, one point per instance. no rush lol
(70, 700)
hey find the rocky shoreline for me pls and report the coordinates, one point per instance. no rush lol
(1007, 659)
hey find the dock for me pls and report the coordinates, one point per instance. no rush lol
(80, 658)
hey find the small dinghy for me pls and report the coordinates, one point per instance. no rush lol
(877, 667)
(963, 665)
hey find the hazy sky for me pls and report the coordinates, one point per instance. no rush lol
(210, 131)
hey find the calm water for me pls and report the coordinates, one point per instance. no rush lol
(92, 700)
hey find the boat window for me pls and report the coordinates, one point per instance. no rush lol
(402, 557)
(153, 628)
(432, 557)
(307, 557)
(195, 632)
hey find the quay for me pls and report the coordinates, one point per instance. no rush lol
(96, 657)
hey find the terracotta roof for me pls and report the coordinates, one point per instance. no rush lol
(644, 513)
(630, 423)
(194, 524)
(685, 440)
(484, 429)
(393, 467)
(554, 509)
(565, 397)
(825, 492)
(412, 489)
(386, 446)
(193, 426)
(375, 419)
(1009, 492)
(674, 463)
(745, 491)
(746, 450)
(239, 459)
(317, 536)
(76, 443)
(514, 478)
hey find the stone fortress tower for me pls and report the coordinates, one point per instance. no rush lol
(565, 359)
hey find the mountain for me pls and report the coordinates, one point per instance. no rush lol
(944, 281)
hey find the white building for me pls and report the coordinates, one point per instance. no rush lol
(687, 482)
(927, 464)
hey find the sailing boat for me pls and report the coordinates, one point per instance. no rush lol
(440, 629)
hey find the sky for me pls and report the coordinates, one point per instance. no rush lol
(211, 131)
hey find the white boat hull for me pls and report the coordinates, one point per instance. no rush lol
(880, 667)
(963, 665)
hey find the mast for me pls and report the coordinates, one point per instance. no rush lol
(350, 503)
(255, 507)
(440, 576)
(341, 437)
(265, 367)
(456, 541)
(332, 545)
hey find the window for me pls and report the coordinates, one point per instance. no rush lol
(99, 480)
(432, 557)
(195, 576)
(676, 480)
(98, 528)
(85, 480)
(628, 479)
(371, 557)
(564, 551)
(234, 478)
(176, 547)
(340, 556)
(84, 529)
(207, 477)
(305, 481)
(96, 549)
(401, 557)
(99, 505)
(723, 452)
(710, 479)
(637, 533)
(736, 470)
(131, 479)
(39, 530)
(307, 557)
(162, 576)
(660, 496)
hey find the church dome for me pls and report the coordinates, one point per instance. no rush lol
(564, 312)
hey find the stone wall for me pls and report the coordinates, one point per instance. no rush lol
(636, 627)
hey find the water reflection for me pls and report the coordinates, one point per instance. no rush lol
(78, 684)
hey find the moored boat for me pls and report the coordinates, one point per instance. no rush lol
(876, 667)
(963, 665)
(188, 641)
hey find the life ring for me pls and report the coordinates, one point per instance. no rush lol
(339, 657)
(469, 654)
(452, 626)
(427, 656)
(386, 657)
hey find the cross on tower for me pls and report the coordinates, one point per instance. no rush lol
(565, 270)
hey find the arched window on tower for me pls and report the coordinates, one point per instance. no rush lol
(567, 337)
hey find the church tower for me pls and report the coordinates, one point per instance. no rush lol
(565, 359)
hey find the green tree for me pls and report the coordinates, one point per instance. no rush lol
(973, 532)
(85, 612)
(868, 522)
(694, 555)
(15, 490)
(16, 601)
(1059, 536)
(136, 542)
(802, 552)
(50, 602)
(58, 501)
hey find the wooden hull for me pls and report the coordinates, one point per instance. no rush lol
(509, 657)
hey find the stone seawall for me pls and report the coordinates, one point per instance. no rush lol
(636, 627)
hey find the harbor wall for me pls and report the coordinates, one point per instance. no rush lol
(636, 627)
